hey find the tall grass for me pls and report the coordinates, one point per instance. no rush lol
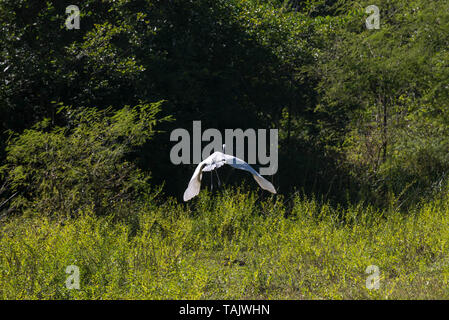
(231, 246)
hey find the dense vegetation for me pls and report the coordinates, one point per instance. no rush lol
(86, 178)
(231, 246)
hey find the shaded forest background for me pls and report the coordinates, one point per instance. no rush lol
(86, 114)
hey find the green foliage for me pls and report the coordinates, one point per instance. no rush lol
(363, 123)
(231, 246)
(65, 170)
(357, 110)
(381, 107)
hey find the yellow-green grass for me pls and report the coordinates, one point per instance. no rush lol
(231, 246)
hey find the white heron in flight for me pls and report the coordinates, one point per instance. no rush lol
(215, 161)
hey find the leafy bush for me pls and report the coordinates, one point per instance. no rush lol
(86, 164)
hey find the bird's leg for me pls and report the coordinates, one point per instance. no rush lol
(219, 182)
(211, 183)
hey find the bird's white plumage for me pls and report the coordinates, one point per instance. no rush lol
(215, 161)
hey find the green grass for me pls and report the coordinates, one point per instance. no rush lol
(231, 246)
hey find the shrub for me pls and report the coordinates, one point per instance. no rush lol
(86, 164)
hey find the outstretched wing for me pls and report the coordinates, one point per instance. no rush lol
(214, 161)
(242, 165)
(195, 182)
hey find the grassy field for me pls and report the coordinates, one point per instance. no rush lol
(231, 246)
